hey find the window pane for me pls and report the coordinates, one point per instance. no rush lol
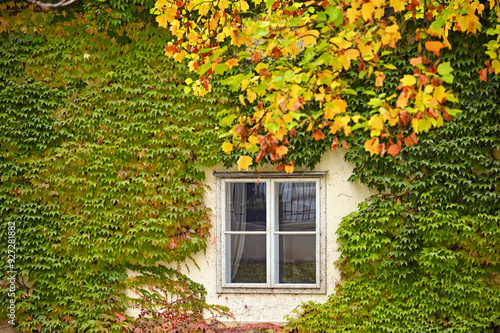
(297, 259)
(297, 206)
(246, 259)
(246, 207)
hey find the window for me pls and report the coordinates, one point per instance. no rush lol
(271, 236)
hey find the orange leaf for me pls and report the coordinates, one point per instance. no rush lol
(434, 47)
(318, 135)
(231, 63)
(416, 61)
(483, 74)
(335, 143)
(411, 140)
(256, 57)
(379, 82)
(289, 168)
(394, 149)
(281, 150)
(345, 145)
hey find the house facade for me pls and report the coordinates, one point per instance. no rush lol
(273, 242)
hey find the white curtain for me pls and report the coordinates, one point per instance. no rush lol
(238, 221)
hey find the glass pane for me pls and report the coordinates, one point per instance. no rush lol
(297, 206)
(297, 259)
(245, 207)
(246, 258)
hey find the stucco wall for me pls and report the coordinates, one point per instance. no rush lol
(342, 197)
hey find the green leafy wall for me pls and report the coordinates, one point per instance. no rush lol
(102, 158)
(101, 163)
(425, 256)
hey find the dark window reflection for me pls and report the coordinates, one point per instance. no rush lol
(248, 258)
(297, 259)
(246, 208)
(297, 206)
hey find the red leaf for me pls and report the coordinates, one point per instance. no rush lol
(394, 149)
(446, 115)
(431, 113)
(256, 57)
(265, 73)
(381, 149)
(172, 244)
(345, 145)
(120, 316)
(404, 117)
(335, 143)
(483, 74)
(411, 140)
(276, 53)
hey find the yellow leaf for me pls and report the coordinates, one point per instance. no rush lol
(282, 150)
(355, 118)
(398, 5)
(408, 80)
(439, 93)
(179, 56)
(367, 10)
(351, 54)
(281, 133)
(309, 37)
(242, 99)
(227, 147)
(289, 168)
(251, 96)
(231, 63)
(244, 162)
(223, 4)
(160, 4)
(334, 108)
(376, 125)
(414, 124)
(162, 21)
(253, 139)
(244, 84)
(243, 6)
(496, 65)
(371, 146)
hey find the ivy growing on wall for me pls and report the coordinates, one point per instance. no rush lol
(101, 167)
(102, 162)
(424, 256)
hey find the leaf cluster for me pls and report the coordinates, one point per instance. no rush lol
(424, 256)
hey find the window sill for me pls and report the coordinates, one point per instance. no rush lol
(276, 290)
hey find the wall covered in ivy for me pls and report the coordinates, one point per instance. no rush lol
(101, 163)
(101, 167)
(425, 256)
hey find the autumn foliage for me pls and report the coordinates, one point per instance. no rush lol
(286, 61)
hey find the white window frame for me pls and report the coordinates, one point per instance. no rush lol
(271, 234)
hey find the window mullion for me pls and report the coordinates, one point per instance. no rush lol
(270, 235)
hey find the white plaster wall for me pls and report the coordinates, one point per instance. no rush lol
(342, 198)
